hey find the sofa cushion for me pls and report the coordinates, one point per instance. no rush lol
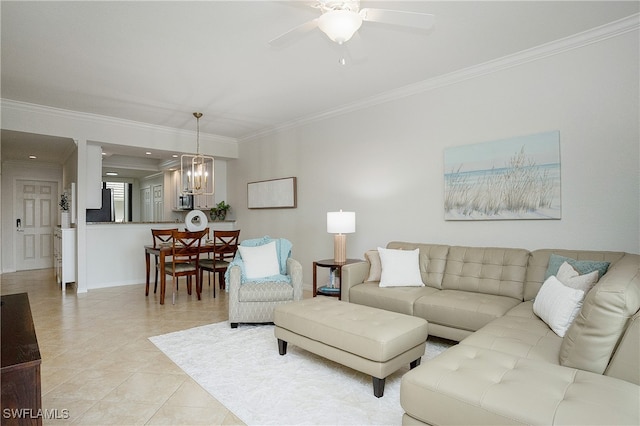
(571, 278)
(375, 267)
(433, 259)
(624, 363)
(462, 309)
(539, 262)
(521, 333)
(558, 304)
(593, 336)
(400, 268)
(497, 271)
(397, 299)
(466, 384)
(582, 266)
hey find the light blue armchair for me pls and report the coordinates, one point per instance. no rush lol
(254, 301)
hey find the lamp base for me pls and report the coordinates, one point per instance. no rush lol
(339, 248)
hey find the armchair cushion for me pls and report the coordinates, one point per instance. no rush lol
(260, 261)
(283, 250)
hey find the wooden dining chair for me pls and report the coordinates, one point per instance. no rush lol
(226, 246)
(185, 252)
(160, 236)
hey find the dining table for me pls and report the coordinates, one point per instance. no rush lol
(162, 252)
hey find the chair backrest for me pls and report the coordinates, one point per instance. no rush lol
(185, 246)
(226, 244)
(161, 236)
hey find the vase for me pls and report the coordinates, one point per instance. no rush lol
(65, 219)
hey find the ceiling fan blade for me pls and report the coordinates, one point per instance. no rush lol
(398, 17)
(294, 34)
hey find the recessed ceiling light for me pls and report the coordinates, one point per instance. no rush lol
(33, 157)
(175, 155)
(148, 153)
(111, 174)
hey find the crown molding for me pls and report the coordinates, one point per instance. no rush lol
(26, 165)
(29, 108)
(576, 41)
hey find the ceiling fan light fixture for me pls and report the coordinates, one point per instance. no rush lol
(339, 25)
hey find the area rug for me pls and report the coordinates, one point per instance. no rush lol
(243, 370)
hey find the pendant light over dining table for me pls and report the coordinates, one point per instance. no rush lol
(196, 171)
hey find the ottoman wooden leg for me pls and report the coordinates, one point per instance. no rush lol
(378, 386)
(415, 363)
(282, 347)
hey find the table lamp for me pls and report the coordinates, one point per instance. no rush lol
(340, 223)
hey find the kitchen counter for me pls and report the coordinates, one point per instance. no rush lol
(115, 250)
(154, 223)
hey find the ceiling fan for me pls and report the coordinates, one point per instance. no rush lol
(341, 19)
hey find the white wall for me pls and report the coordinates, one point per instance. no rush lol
(385, 162)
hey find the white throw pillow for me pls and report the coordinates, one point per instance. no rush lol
(400, 268)
(260, 261)
(375, 267)
(558, 305)
(571, 278)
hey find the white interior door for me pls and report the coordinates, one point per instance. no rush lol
(145, 200)
(34, 218)
(158, 203)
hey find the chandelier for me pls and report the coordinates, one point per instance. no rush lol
(196, 171)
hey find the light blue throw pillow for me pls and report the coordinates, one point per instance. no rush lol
(581, 266)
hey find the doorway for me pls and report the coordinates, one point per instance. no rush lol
(35, 215)
(158, 203)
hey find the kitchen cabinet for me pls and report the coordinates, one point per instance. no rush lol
(64, 254)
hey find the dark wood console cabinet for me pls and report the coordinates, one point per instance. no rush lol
(20, 373)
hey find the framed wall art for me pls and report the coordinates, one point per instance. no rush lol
(272, 194)
(516, 178)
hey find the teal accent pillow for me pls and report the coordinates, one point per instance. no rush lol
(582, 266)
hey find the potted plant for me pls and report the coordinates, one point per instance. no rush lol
(65, 216)
(219, 212)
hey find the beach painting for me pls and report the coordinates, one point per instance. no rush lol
(516, 178)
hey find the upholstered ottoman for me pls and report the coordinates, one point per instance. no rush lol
(370, 340)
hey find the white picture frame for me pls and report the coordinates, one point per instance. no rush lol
(272, 194)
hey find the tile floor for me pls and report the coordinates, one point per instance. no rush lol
(97, 362)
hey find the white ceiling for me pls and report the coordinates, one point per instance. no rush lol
(157, 62)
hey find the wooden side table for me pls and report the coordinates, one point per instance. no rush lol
(333, 267)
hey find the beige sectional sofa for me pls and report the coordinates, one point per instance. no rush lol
(510, 367)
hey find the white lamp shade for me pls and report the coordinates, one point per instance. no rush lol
(339, 25)
(341, 222)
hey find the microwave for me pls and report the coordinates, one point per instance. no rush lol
(186, 202)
